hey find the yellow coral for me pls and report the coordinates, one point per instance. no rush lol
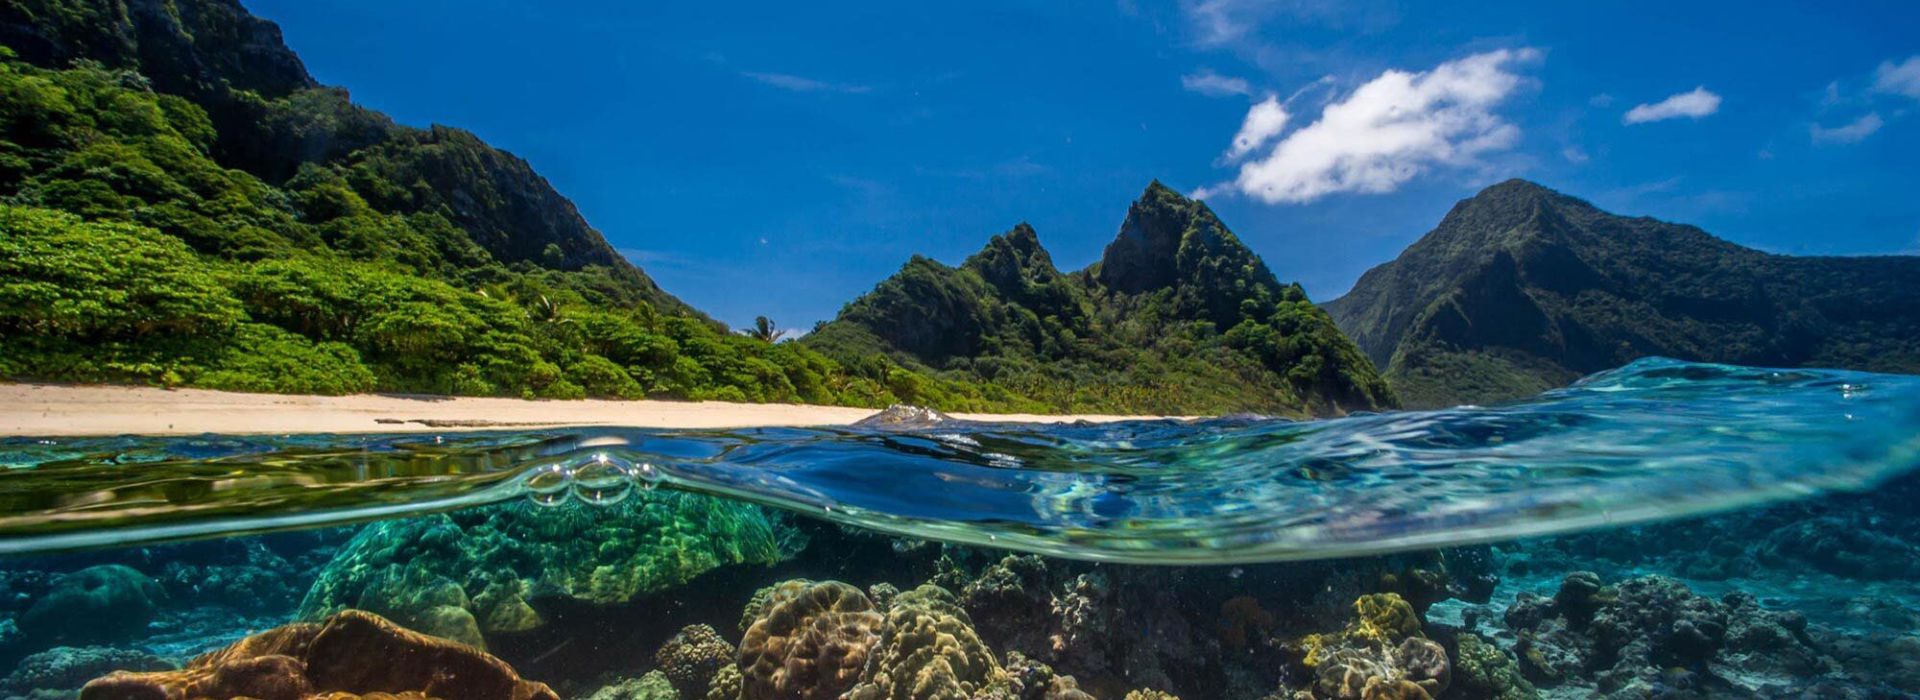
(1383, 617)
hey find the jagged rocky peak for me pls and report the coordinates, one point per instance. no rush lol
(1142, 256)
(1013, 259)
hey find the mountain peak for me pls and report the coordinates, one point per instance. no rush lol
(1143, 256)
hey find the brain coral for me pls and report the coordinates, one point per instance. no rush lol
(500, 557)
(928, 651)
(809, 641)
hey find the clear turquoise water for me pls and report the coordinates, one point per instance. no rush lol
(1657, 439)
(1786, 501)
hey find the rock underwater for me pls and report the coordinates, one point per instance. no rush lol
(472, 573)
(352, 654)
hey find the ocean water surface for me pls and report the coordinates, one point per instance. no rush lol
(1666, 529)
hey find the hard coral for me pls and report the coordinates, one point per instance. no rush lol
(809, 641)
(692, 657)
(1381, 654)
(351, 654)
(500, 556)
(653, 686)
(928, 651)
(1482, 670)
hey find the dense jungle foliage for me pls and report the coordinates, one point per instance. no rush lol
(1179, 317)
(128, 253)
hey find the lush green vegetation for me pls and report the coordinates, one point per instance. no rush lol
(1522, 288)
(182, 204)
(129, 254)
(1195, 323)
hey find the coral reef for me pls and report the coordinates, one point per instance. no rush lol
(1482, 671)
(653, 686)
(502, 559)
(350, 654)
(928, 650)
(808, 641)
(691, 659)
(96, 605)
(61, 671)
(1651, 634)
(1381, 654)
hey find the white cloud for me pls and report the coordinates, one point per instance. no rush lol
(797, 83)
(1264, 121)
(1574, 155)
(1602, 100)
(1852, 132)
(1901, 79)
(1694, 105)
(1211, 84)
(1388, 131)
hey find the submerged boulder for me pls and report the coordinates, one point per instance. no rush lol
(96, 605)
(351, 654)
(478, 572)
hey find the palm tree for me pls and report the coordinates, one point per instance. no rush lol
(763, 329)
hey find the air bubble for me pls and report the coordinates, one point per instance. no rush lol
(649, 475)
(604, 480)
(547, 485)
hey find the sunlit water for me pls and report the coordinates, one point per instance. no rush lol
(1656, 441)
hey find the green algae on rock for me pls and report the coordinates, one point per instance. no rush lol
(493, 563)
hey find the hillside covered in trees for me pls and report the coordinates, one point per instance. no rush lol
(1178, 317)
(182, 204)
(1522, 289)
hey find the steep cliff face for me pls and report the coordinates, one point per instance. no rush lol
(1521, 288)
(1178, 316)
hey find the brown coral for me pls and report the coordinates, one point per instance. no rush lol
(692, 657)
(1242, 617)
(352, 654)
(809, 641)
(928, 651)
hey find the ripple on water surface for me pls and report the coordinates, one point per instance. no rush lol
(1655, 439)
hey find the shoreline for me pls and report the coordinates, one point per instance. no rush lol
(92, 410)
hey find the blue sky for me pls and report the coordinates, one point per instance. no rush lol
(781, 158)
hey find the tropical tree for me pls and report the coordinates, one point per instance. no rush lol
(763, 329)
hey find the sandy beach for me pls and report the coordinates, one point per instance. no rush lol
(55, 410)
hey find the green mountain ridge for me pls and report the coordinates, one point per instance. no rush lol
(182, 204)
(1522, 289)
(1177, 317)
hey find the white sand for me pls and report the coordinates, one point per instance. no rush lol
(52, 410)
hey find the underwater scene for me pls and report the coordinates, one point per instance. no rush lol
(1666, 530)
(852, 350)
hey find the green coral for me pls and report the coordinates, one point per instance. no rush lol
(652, 686)
(1481, 671)
(494, 561)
